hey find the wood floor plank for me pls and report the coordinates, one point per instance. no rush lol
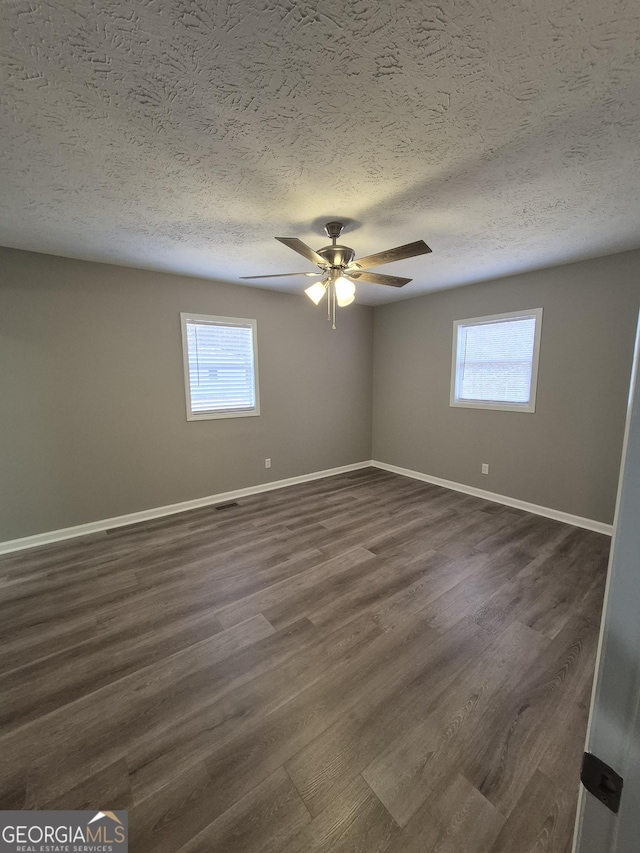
(354, 821)
(79, 735)
(182, 819)
(261, 822)
(270, 742)
(26, 646)
(328, 763)
(364, 663)
(442, 575)
(111, 785)
(530, 531)
(511, 742)
(562, 759)
(409, 528)
(305, 586)
(203, 723)
(334, 600)
(470, 595)
(417, 764)
(175, 815)
(542, 822)
(377, 586)
(17, 614)
(488, 521)
(206, 591)
(39, 688)
(461, 820)
(155, 729)
(570, 581)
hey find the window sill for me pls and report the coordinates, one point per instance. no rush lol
(210, 416)
(529, 408)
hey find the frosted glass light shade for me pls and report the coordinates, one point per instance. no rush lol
(345, 291)
(316, 291)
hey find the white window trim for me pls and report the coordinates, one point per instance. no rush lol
(455, 367)
(218, 321)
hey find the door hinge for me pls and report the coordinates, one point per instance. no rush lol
(601, 781)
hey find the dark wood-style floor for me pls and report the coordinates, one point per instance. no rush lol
(361, 663)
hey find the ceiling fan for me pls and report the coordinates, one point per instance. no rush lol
(341, 270)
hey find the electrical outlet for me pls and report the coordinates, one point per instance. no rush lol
(267, 463)
(485, 468)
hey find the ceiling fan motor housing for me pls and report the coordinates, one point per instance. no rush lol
(337, 256)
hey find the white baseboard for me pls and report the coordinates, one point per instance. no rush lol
(556, 514)
(158, 512)
(172, 509)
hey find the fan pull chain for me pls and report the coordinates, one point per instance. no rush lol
(333, 304)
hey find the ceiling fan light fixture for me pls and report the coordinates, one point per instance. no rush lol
(316, 291)
(345, 291)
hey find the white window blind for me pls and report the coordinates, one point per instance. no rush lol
(220, 368)
(495, 361)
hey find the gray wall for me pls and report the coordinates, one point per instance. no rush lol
(567, 454)
(92, 418)
(93, 422)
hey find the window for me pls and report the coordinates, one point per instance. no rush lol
(495, 361)
(220, 367)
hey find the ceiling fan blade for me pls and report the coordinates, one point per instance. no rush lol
(302, 249)
(377, 278)
(283, 275)
(410, 250)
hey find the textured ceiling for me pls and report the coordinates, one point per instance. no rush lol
(184, 135)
